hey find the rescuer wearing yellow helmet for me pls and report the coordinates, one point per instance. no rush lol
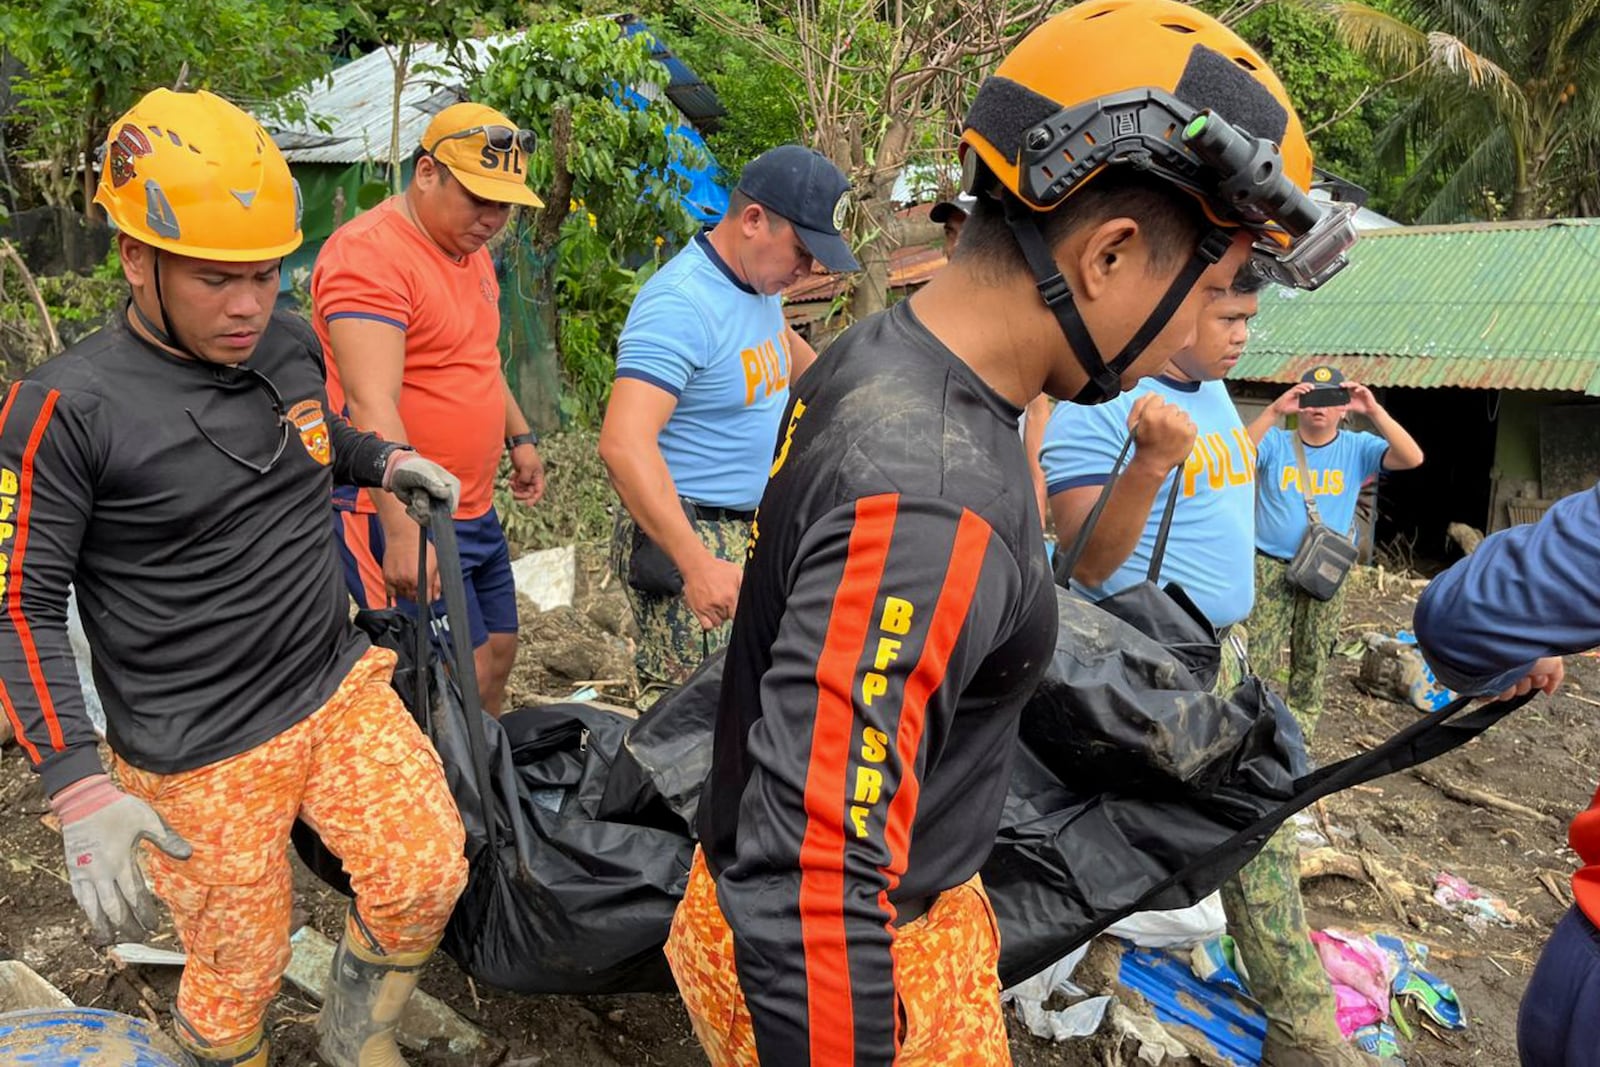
(176, 466)
(1126, 159)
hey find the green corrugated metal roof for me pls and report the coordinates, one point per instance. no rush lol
(1487, 306)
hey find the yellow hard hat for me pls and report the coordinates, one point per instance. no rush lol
(192, 174)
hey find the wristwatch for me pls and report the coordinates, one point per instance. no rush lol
(529, 438)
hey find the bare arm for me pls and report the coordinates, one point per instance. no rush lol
(1404, 453)
(1034, 422)
(801, 354)
(1163, 437)
(527, 466)
(630, 450)
(371, 357)
(1121, 524)
(1287, 404)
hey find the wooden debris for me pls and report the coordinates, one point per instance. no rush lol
(1479, 797)
(1384, 881)
(1330, 862)
(1466, 536)
(1554, 887)
(133, 954)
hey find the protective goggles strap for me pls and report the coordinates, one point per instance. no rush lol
(1024, 223)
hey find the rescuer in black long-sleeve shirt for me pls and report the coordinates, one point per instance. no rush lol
(896, 608)
(176, 467)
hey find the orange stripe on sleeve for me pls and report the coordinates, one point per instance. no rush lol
(5, 695)
(14, 598)
(11, 396)
(949, 617)
(822, 928)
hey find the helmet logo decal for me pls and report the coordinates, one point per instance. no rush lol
(1323, 374)
(129, 144)
(244, 197)
(159, 215)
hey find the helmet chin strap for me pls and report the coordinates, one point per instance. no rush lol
(1105, 379)
(169, 334)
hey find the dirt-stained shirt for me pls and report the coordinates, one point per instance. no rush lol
(896, 612)
(209, 591)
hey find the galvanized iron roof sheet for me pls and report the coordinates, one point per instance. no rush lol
(1488, 306)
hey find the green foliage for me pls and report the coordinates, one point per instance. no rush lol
(759, 95)
(624, 205)
(1333, 88)
(577, 498)
(89, 60)
(78, 305)
(1499, 110)
(593, 292)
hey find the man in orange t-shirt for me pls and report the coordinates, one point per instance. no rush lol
(407, 307)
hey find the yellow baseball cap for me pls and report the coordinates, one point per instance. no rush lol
(484, 150)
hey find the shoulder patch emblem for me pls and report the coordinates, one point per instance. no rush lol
(313, 426)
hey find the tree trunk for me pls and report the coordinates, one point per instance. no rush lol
(875, 210)
(531, 395)
(559, 196)
(402, 65)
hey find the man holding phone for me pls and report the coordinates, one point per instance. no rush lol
(1336, 464)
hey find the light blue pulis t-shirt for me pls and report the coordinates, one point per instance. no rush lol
(722, 350)
(1211, 543)
(1337, 469)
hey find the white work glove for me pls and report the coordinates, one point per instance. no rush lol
(418, 482)
(101, 828)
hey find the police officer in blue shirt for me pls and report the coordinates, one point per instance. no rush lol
(1209, 550)
(1338, 463)
(703, 370)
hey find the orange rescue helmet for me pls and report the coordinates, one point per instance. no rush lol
(1119, 82)
(191, 174)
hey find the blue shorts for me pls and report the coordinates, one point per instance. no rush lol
(485, 564)
(1559, 1025)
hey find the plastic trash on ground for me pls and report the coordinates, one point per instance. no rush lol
(1361, 973)
(1477, 908)
(1078, 1020)
(1430, 994)
(1174, 928)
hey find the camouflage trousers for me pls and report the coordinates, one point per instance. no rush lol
(671, 640)
(1267, 917)
(1284, 616)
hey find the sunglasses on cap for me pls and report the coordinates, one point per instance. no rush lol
(499, 138)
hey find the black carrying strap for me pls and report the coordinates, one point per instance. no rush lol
(1105, 379)
(454, 584)
(1067, 562)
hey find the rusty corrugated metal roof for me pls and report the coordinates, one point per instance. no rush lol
(1488, 305)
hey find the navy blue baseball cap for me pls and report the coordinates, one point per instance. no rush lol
(807, 190)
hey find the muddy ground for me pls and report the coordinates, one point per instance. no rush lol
(1545, 760)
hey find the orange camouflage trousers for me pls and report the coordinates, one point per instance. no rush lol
(944, 964)
(359, 772)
